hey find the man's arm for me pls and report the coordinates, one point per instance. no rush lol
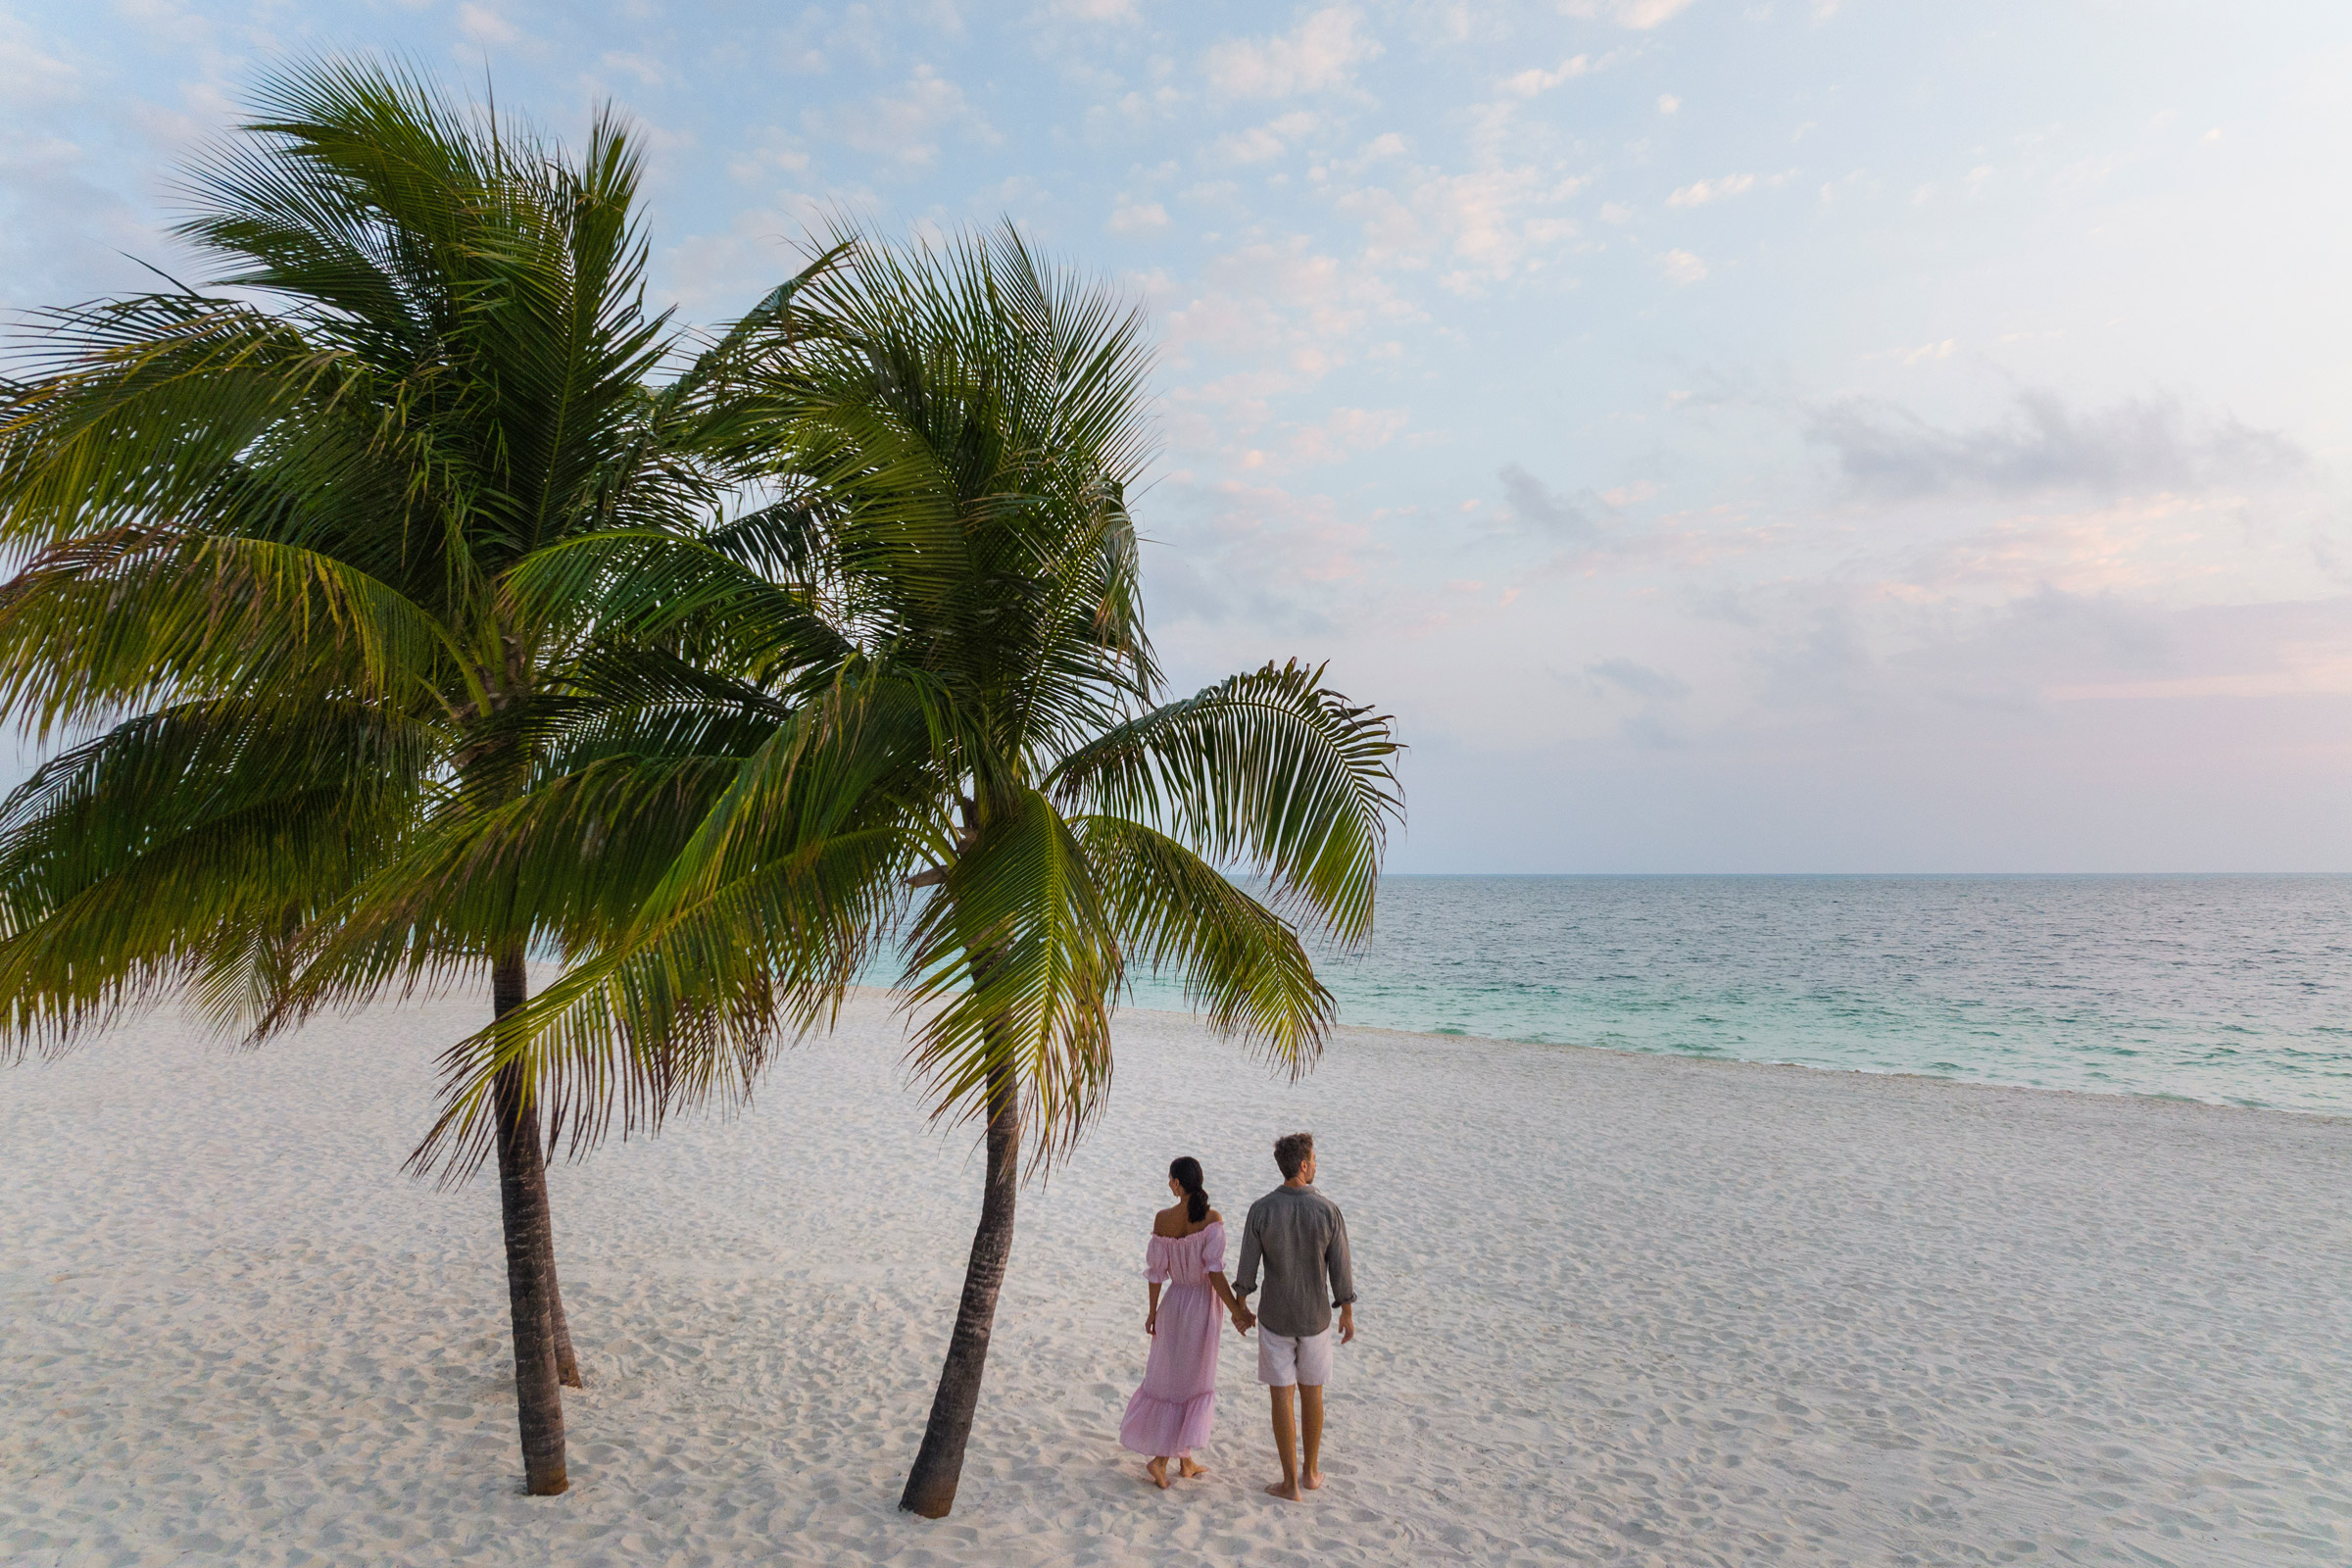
(1245, 1278)
(1336, 1264)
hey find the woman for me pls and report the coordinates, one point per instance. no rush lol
(1171, 1413)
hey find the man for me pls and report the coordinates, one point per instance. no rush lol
(1303, 1241)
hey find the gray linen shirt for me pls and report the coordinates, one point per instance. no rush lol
(1300, 1235)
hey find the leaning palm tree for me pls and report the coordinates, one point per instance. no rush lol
(993, 775)
(300, 549)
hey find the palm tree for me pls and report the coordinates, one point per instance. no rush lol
(993, 765)
(324, 557)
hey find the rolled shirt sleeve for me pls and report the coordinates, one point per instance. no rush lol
(1244, 1278)
(1336, 1262)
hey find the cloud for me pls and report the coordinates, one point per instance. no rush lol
(1681, 267)
(1701, 192)
(1529, 83)
(1345, 432)
(1490, 224)
(1094, 10)
(906, 125)
(1138, 217)
(1638, 14)
(1316, 56)
(482, 25)
(653, 72)
(1537, 507)
(28, 77)
(1668, 103)
(2137, 445)
(1269, 140)
(1282, 299)
(1655, 685)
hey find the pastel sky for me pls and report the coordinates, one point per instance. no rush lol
(1730, 436)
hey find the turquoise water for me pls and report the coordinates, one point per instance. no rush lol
(2231, 989)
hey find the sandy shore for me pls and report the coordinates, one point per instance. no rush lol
(1615, 1309)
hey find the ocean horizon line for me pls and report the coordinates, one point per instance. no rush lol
(1837, 876)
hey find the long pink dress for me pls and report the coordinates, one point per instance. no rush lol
(1172, 1412)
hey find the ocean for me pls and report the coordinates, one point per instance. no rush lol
(2229, 989)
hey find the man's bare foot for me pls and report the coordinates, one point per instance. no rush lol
(1191, 1471)
(1287, 1490)
(1158, 1470)
(1312, 1479)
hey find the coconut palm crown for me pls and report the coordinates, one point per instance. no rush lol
(300, 550)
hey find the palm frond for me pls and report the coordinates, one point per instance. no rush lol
(1012, 966)
(97, 626)
(188, 848)
(1271, 769)
(1238, 961)
(685, 1011)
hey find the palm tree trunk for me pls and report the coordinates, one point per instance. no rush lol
(531, 1252)
(568, 1364)
(939, 1467)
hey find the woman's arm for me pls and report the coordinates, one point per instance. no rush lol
(1152, 1318)
(1217, 1283)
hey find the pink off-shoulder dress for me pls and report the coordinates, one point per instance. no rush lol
(1172, 1412)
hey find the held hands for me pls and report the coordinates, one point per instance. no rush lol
(1244, 1320)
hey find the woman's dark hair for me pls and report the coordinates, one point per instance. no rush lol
(1185, 1172)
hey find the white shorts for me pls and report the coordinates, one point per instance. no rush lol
(1284, 1360)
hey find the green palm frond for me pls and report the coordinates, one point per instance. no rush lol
(656, 589)
(1239, 963)
(1012, 966)
(188, 846)
(686, 1008)
(109, 622)
(1271, 769)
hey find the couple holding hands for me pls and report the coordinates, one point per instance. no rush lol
(1297, 1236)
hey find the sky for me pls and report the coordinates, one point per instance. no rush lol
(1815, 435)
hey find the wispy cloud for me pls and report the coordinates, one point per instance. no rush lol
(1138, 217)
(1700, 192)
(1270, 140)
(2152, 442)
(1638, 14)
(481, 24)
(1531, 82)
(1638, 679)
(906, 126)
(1533, 506)
(1681, 267)
(1316, 56)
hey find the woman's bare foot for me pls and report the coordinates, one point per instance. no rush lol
(1312, 1479)
(1158, 1470)
(1287, 1490)
(1191, 1471)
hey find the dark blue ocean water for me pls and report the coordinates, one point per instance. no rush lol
(2231, 989)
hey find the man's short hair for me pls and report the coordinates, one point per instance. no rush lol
(1291, 1150)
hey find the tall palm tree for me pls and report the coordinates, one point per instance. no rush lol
(306, 548)
(993, 765)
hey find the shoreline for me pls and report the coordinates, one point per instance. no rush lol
(1434, 1038)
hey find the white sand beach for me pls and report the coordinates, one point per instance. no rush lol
(1616, 1309)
